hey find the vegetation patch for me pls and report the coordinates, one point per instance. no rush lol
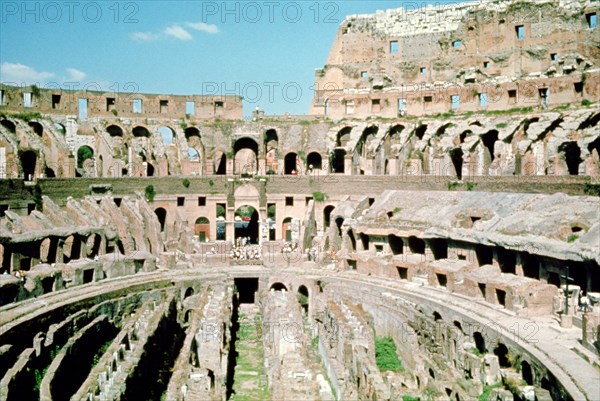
(150, 193)
(385, 355)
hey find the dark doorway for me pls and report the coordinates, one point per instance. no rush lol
(246, 288)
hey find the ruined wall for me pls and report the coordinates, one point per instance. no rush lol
(494, 55)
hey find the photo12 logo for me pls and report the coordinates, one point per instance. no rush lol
(54, 12)
(253, 12)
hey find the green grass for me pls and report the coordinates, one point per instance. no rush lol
(410, 398)
(453, 185)
(319, 196)
(591, 189)
(385, 355)
(487, 390)
(572, 238)
(471, 185)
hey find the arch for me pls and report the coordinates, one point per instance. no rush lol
(37, 128)
(343, 137)
(278, 287)
(489, 140)
(246, 153)
(28, 163)
(49, 172)
(270, 139)
(60, 128)
(219, 163)
(202, 228)
(84, 153)
(327, 215)
(572, 156)
(456, 155)
(291, 163)
(149, 170)
(479, 342)
(71, 248)
(47, 251)
(527, 372)
(338, 164)
(458, 325)
(246, 223)
(501, 351)
(303, 298)
(167, 135)
(140, 132)
(394, 133)
(396, 244)
(353, 239)
(188, 292)
(315, 160)
(420, 131)
(286, 229)
(9, 125)
(338, 222)
(416, 245)
(191, 132)
(114, 130)
(161, 213)
(92, 244)
(365, 140)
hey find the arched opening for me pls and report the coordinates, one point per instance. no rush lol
(416, 245)
(188, 292)
(353, 240)
(338, 222)
(456, 155)
(84, 153)
(271, 144)
(246, 224)
(572, 155)
(278, 287)
(92, 245)
(187, 316)
(60, 128)
(47, 251)
(149, 170)
(9, 125)
(343, 137)
(489, 140)
(314, 161)
(439, 248)
(554, 279)
(484, 254)
(291, 163)
(161, 213)
(420, 131)
(327, 216)
(437, 316)
(191, 132)
(71, 248)
(479, 342)
(114, 130)
(220, 163)
(167, 135)
(202, 229)
(140, 132)
(37, 128)
(286, 229)
(303, 298)
(49, 172)
(458, 325)
(337, 161)
(501, 351)
(28, 162)
(246, 153)
(365, 140)
(396, 244)
(531, 265)
(527, 372)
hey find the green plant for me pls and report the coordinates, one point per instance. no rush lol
(186, 182)
(501, 125)
(591, 189)
(471, 185)
(319, 196)
(302, 299)
(487, 390)
(572, 238)
(586, 102)
(150, 193)
(37, 197)
(512, 384)
(314, 342)
(271, 211)
(453, 185)
(386, 357)
(211, 183)
(476, 351)
(397, 210)
(220, 211)
(407, 397)
(115, 112)
(183, 125)
(35, 91)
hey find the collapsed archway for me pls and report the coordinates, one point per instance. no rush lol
(246, 153)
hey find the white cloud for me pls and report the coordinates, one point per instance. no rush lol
(144, 36)
(203, 27)
(75, 75)
(178, 32)
(22, 74)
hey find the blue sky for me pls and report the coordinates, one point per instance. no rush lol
(266, 51)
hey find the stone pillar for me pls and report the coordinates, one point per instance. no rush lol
(230, 224)
(348, 165)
